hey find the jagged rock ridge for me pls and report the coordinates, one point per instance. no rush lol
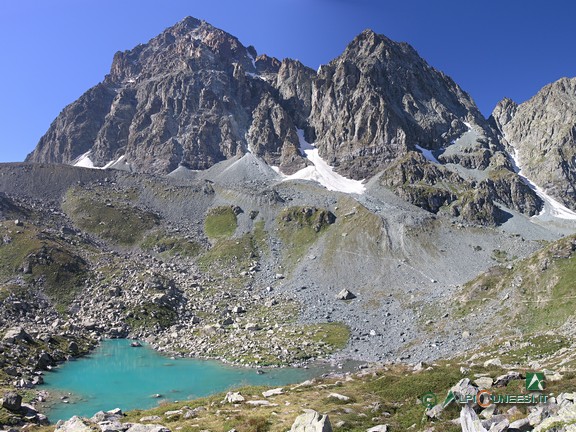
(542, 131)
(194, 96)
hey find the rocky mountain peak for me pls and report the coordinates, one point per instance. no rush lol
(380, 99)
(190, 45)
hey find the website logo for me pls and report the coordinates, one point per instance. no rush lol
(535, 381)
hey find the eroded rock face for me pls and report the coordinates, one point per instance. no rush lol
(378, 100)
(543, 132)
(188, 97)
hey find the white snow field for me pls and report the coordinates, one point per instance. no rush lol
(321, 172)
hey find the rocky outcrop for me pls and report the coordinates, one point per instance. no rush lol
(542, 131)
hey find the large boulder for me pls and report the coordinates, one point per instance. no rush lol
(311, 421)
(345, 295)
(75, 424)
(12, 402)
(16, 333)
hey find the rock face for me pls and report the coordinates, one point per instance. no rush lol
(188, 97)
(542, 130)
(379, 99)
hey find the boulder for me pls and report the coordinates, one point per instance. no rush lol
(233, 398)
(75, 424)
(339, 397)
(137, 427)
(273, 392)
(16, 333)
(311, 421)
(12, 402)
(470, 421)
(345, 295)
(379, 428)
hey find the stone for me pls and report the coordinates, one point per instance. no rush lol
(339, 397)
(273, 392)
(521, 424)
(311, 421)
(233, 398)
(566, 415)
(252, 327)
(12, 401)
(503, 380)
(75, 424)
(493, 362)
(16, 333)
(264, 403)
(483, 383)
(379, 428)
(345, 295)
(137, 427)
(152, 418)
(470, 421)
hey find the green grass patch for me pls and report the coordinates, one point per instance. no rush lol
(300, 227)
(220, 222)
(238, 252)
(334, 334)
(163, 243)
(119, 223)
(35, 255)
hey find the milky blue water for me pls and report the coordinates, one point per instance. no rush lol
(118, 376)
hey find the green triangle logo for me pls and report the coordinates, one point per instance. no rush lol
(449, 399)
(535, 381)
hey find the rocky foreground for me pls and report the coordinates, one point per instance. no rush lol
(378, 398)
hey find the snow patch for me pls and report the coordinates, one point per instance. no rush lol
(551, 206)
(251, 59)
(427, 154)
(84, 161)
(321, 172)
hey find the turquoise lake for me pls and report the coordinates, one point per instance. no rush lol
(116, 375)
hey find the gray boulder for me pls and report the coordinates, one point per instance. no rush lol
(16, 333)
(311, 421)
(75, 424)
(12, 402)
(345, 295)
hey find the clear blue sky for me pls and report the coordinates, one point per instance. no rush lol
(53, 51)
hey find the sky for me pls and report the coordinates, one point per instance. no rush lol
(53, 51)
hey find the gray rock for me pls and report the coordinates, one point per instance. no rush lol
(345, 295)
(233, 398)
(379, 428)
(75, 424)
(470, 421)
(273, 392)
(12, 401)
(311, 421)
(137, 427)
(16, 333)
